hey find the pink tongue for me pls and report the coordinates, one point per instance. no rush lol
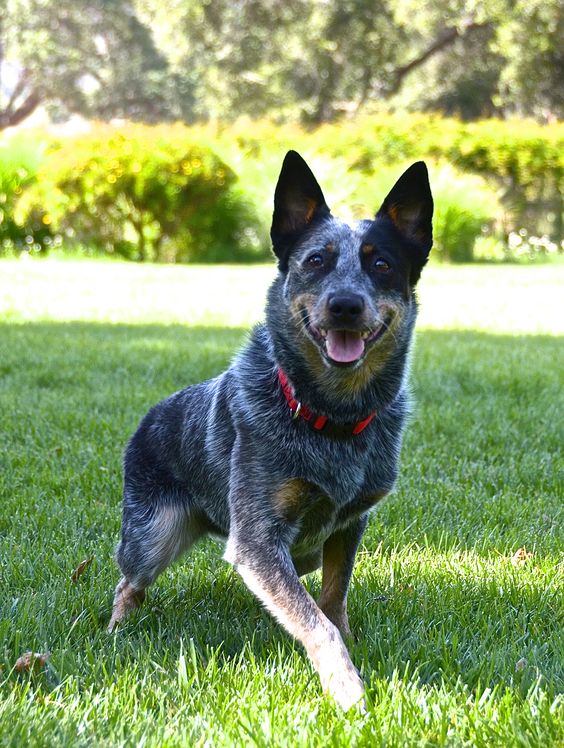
(344, 346)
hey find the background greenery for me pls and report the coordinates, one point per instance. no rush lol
(459, 637)
(363, 88)
(306, 60)
(204, 193)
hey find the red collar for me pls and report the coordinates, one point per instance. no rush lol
(318, 423)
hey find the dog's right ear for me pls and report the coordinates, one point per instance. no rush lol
(298, 203)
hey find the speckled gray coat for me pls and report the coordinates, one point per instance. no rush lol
(227, 457)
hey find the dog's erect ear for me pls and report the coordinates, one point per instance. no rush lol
(298, 202)
(410, 205)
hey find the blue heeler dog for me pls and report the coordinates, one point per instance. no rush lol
(286, 452)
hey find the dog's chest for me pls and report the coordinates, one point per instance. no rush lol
(315, 514)
(333, 467)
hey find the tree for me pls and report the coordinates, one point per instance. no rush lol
(531, 41)
(307, 59)
(259, 57)
(502, 57)
(89, 56)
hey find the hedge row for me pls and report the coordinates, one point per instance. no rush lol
(167, 193)
(520, 160)
(145, 193)
(523, 159)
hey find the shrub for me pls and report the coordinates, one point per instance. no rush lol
(165, 193)
(465, 206)
(522, 158)
(19, 160)
(146, 193)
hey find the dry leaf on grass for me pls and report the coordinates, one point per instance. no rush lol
(521, 556)
(81, 568)
(520, 665)
(29, 660)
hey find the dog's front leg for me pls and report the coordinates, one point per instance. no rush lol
(258, 546)
(268, 571)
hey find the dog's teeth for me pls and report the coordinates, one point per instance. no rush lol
(323, 332)
(364, 335)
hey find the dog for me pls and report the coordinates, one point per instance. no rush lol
(286, 452)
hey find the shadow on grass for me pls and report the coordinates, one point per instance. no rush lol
(479, 475)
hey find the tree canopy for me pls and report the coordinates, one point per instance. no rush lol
(301, 59)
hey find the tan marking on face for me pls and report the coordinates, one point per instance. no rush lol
(330, 246)
(347, 382)
(367, 249)
(302, 301)
(315, 363)
(310, 350)
(352, 381)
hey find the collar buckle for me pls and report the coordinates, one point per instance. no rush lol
(316, 422)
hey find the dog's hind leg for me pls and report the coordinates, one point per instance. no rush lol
(339, 552)
(153, 536)
(126, 598)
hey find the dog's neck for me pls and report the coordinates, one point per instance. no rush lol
(343, 395)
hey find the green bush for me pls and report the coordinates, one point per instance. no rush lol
(465, 206)
(489, 178)
(165, 193)
(145, 193)
(521, 158)
(466, 209)
(19, 161)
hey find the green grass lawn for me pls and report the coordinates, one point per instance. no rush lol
(459, 643)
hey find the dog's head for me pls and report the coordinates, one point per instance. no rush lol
(348, 288)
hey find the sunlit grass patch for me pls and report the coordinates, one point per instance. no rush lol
(459, 637)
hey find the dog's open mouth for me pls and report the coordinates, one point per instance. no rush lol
(344, 347)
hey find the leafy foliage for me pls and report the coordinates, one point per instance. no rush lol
(19, 160)
(522, 159)
(142, 193)
(89, 56)
(135, 191)
(466, 207)
(301, 60)
(530, 40)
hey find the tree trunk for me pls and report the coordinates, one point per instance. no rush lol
(11, 117)
(447, 37)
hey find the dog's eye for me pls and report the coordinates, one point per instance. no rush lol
(381, 266)
(315, 261)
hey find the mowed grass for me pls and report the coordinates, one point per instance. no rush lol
(460, 641)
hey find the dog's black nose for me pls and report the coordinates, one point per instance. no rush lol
(346, 308)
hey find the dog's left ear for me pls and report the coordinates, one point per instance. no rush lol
(298, 203)
(410, 207)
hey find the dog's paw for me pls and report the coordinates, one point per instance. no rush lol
(339, 677)
(345, 687)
